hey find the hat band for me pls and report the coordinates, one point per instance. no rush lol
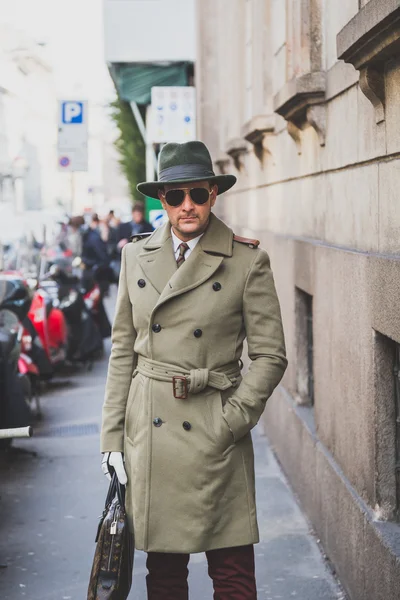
(185, 171)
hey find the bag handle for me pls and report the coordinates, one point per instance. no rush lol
(115, 489)
(120, 492)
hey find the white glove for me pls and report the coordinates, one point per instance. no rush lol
(115, 460)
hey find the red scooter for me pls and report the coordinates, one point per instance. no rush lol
(44, 336)
(50, 325)
(85, 342)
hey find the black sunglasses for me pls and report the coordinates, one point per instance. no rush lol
(199, 195)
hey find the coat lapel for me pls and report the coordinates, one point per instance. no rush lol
(205, 259)
(157, 258)
(198, 268)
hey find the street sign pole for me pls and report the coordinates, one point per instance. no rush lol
(72, 193)
(151, 159)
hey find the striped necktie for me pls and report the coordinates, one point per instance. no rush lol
(181, 258)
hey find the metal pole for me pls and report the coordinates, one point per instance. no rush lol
(150, 154)
(72, 193)
(139, 121)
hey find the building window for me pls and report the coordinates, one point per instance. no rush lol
(396, 375)
(387, 426)
(305, 347)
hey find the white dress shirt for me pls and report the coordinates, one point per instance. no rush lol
(191, 243)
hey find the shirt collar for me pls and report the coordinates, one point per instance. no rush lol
(191, 243)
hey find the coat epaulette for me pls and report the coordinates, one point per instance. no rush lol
(139, 236)
(249, 242)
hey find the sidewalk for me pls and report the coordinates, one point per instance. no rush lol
(52, 491)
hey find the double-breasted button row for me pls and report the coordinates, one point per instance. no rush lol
(157, 328)
(157, 422)
(216, 286)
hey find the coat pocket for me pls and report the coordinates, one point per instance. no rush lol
(223, 435)
(134, 408)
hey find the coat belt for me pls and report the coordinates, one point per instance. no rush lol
(190, 381)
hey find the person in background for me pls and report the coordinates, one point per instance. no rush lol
(113, 224)
(61, 234)
(104, 230)
(94, 251)
(95, 256)
(112, 219)
(75, 235)
(134, 227)
(113, 228)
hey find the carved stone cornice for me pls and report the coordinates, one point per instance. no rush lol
(257, 128)
(367, 42)
(235, 148)
(222, 161)
(302, 101)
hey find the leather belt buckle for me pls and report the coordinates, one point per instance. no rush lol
(180, 387)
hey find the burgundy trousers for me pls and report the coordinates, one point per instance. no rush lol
(231, 570)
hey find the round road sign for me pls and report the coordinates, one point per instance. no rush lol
(64, 161)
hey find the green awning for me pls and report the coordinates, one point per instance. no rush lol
(134, 80)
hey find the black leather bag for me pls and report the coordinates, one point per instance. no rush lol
(111, 576)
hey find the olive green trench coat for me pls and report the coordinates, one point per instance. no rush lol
(189, 460)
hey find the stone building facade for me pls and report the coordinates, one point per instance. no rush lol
(301, 100)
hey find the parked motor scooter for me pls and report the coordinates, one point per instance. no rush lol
(50, 324)
(16, 299)
(85, 342)
(32, 307)
(14, 386)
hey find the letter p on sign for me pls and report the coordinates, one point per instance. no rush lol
(72, 112)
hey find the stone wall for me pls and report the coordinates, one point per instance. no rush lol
(315, 144)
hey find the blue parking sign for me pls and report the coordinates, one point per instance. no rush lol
(72, 112)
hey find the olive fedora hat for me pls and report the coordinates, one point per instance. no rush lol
(184, 163)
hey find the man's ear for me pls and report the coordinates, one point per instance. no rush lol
(214, 194)
(161, 198)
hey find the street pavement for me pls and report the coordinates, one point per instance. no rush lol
(52, 492)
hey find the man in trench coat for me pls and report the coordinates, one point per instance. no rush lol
(177, 414)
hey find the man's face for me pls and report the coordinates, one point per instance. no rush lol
(188, 220)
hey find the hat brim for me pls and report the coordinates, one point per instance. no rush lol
(150, 188)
